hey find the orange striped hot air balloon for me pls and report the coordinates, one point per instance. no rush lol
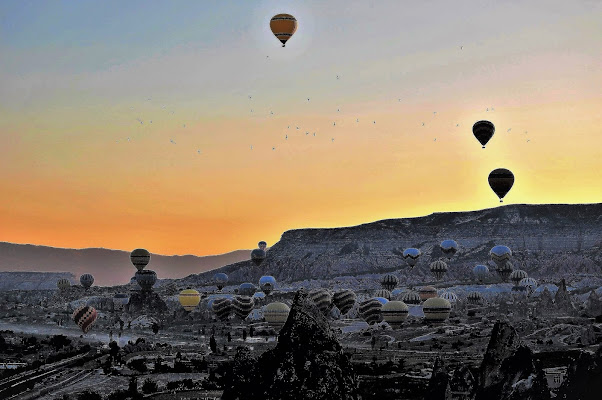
(283, 26)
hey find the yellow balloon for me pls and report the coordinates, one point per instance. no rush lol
(189, 299)
(276, 314)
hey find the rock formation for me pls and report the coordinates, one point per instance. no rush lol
(145, 302)
(508, 370)
(438, 388)
(584, 378)
(593, 305)
(307, 363)
(562, 300)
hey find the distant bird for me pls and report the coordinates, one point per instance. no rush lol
(172, 141)
(435, 140)
(492, 109)
(337, 77)
(461, 47)
(423, 124)
(308, 99)
(251, 147)
(267, 56)
(198, 151)
(334, 124)
(286, 137)
(398, 99)
(487, 109)
(509, 129)
(314, 133)
(528, 140)
(332, 139)
(249, 97)
(149, 99)
(338, 110)
(183, 125)
(457, 125)
(131, 108)
(163, 107)
(306, 133)
(357, 120)
(251, 110)
(373, 122)
(273, 148)
(139, 120)
(151, 121)
(297, 128)
(434, 113)
(525, 132)
(128, 139)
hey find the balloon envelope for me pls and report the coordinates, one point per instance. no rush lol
(140, 258)
(84, 317)
(501, 181)
(189, 299)
(483, 131)
(283, 26)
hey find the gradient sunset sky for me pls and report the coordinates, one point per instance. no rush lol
(80, 82)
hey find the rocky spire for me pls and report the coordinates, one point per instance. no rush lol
(307, 363)
(508, 370)
(438, 388)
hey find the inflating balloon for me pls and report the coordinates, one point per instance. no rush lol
(427, 292)
(384, 293)
(410, 297)
(474, 298)
(283, 26)
(344, 300)
(449, 296)
(501, 181)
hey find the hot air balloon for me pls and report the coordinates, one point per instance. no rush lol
(427, 292)
(411, 256)
(474, 298)
(449, 247)
(501, 181)
(258, 297)
(322, 299)
(262, 245)
(384, 293)
(146, 279)
(529, 284)
(410, 297)
(220, 280)
(140, 258)
(449, 296)
(242, 306)
(222, 307)
(389, 282)
(276, 314)
(267, 284)
(84, 317)
(86, 280)
(370, 310)
(500, 255)
(436, 309)
(257, 256)
(480, 272)
(517, 275)
(438, 269)
(247, 289)
(283, 26)
(63, 284)
(121, 299)
(483, 131)
(344, 300)
(505, 271)
(189, 299)
(394, 313)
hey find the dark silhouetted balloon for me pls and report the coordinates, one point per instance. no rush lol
(438, 269)
(146, 279)
(222, 308)
(267, 284)
(501, 181)
(257, 256)
(322, 299)
(449, 247)
(517, 275)
(384, 293)
(262, 245)
(410, 297)
(220, 280)
(247, 289)
(140, 258)
(283, 26)
(242, 306)
(483, 131)
(480, 272)
(370, 310)
(86, 280)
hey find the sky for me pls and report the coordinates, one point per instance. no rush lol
(172, 125)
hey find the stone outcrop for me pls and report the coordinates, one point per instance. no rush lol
(562, 300)
(584, 378)
(438, 388)
(593, 305)
(307, 363)
(145, 302)
(508, 371)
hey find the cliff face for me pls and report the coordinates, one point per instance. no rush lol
(545, 238)
(32, 280)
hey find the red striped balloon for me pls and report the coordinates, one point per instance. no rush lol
(85, 317)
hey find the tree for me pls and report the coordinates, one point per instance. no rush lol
(149, 386)
(155, 328)
(88, 395)
(244, 334)
(229, 337)
(213, 344)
